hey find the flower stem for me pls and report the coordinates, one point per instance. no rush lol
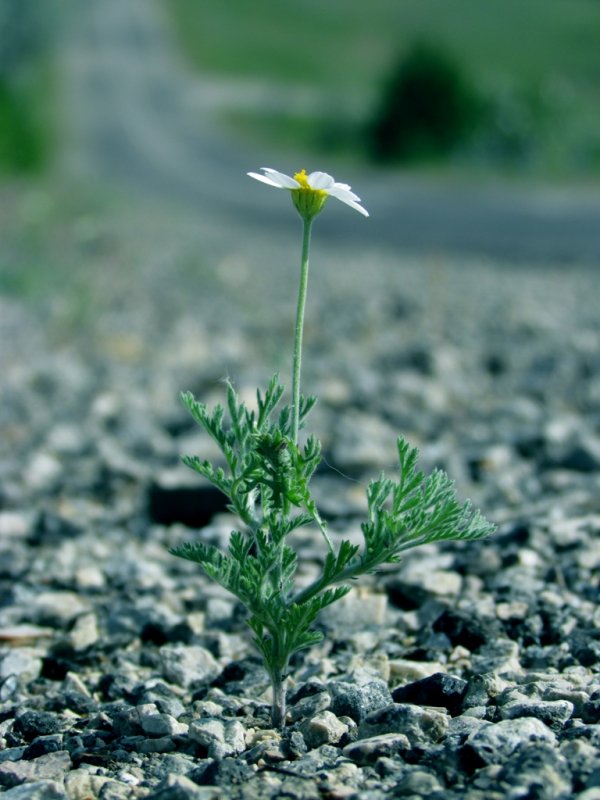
(278, 707)
(297, 363)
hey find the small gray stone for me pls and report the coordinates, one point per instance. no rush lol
(220, 738)
(58, 608)
(37, 790)
(363, 440)
(500, 657)
(9, 688)
(421, 726)
(186, 665)
(83, 785)
(43, 472)
(15, 524)
(12, 753)
(417, 782)
(51, 766)
(309, 706)
(84, 632)
(482, 688)
(356, 700)
(154, 723)
(219, 609)
(539, 770)
(26, 663)
(423, 579)
(323, 728)
(553, 713)
(494, 743)
(356, 611)
(163, 697)
(164, 744)
(178, 787)
(367, 751)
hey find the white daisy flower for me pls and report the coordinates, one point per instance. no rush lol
(309, 192)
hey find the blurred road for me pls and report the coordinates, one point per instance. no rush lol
(139, 119)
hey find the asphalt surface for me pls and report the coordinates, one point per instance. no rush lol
(138, 118)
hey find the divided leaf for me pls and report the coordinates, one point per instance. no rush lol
(266, 477)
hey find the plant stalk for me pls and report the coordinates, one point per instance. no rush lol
(297, 362)
(278, 707)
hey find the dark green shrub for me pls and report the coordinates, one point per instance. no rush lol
(26, 36)
(23, 140)
(428, 108)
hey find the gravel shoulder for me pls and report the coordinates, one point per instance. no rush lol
(468, 672)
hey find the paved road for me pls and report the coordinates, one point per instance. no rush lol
(137, 117)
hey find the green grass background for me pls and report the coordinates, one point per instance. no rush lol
(538, 59)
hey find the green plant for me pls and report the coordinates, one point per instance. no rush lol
(267, 480)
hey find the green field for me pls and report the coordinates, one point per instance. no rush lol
(539, 62)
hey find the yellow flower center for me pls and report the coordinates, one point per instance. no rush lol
(302, 179)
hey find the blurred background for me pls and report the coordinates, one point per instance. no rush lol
(126, 130)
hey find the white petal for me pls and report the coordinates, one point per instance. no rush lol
(353, 205)
(342, 191)
(320, 180)
(264, 179)
(284, 181)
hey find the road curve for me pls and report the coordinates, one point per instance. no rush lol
(138, 118)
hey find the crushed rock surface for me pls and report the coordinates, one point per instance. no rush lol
(470, 671)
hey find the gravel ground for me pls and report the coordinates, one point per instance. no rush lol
(471, 671)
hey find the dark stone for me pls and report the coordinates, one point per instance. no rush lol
(294, 746)
(43, 745)
(585, 646)
(530, 446)
(154, 633)
(440, 689)
(404, 597)
(590, 712)
(77, 702)
(463, 628)
(51, 528)
(228, 772)
(234, 671)
(552, 656)
(518, 534)
(55, 666)
(593, 780)
(579, 459)
(495, 364)
(239, 676)
(193, 506)
(32, 724)
(417, 359)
